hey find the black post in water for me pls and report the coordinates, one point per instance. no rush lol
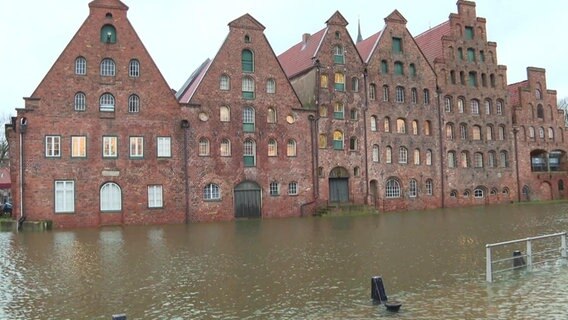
(518, 260)
(378, 290)
(121, 316)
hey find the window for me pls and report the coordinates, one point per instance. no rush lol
(271, 115)
(338, 111)
(531, 132)
(291, 148)
(323, 81)
(80, 102)
(474, 106)
(414, 95)
(64, 196)
(247, 38)
(134, 68)
(322, 141)
(398, 68)
(400, 94)
(355, 84)
(463, 131)
(452, 77)
(338, 57)
(470, 55)
(468, 33)
(452, 159)
(293, 188)
(402, 155)
(540, 112)
(81, 66)
(204, 149)
(354, 114)
(356, 172)
(53, 146)
(427, 128)
(352, 144)
(460, 54)
(270, 86)
(110, 147)
(339, 81)
(388, 154)
(560, 185)
(491, 159)
(323, 111)
(249, 153)
(449, 131)
(224, 114)
(448, 104)
(78, 147)
(412, 70)
(376, 153)
(478, 193)
(224, 83)
(489, 133)
(110, 197)
(415, 127)
(501, 133)
(453, 194)
(225, 148)
(465, 159)
(538, 94)
(211, 192)
(400, 126)
(106, 103)
(476, 133)
(396, 45)
(164, 145)
(274, 188)
(478, 160)
(386, 126)
(385, 93)
(488, 106)
(373, 123)
(429, 187)
(384, 67)
(417, 156)
(108, 34)
(247, 60)
(337, 35)
(392, 189)
(428, 157)
(155, 196)
(499, 107)
(426, 96)
(337, 140)
(133, 104)
(412, 188)
(461, 104)
(504, 162)
(248, 88)
(372, 92)
(248, 119)
(108, 68)
(272, 148)
(551, 133)
(136, 147)
(541, 132)
(472, 79)
(481, 55)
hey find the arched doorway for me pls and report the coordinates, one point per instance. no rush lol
(374, 192)
(339, 185)
(247, 200)
(545, 191)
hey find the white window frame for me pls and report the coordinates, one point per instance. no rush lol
(211, 192)
(164, 147)
(224, 83)
(155, 196)
(412, 188)
(204, 147)
(134, 68)
(80, 102)
(78, 146)
(225, 148)
(274, 188)
(80, 66)
(392, 189)
(136, 147)
(64, 192)
(133, 103)
(53, 146)
(110, 147)
(293, 188)
(271, 86)
(291, 148)
(110, 197)
(108, 68)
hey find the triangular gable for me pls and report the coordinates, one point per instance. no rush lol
(246, 21)
(337, 19)
(396, 17)
(110, 4)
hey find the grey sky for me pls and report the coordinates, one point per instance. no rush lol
(180, 34)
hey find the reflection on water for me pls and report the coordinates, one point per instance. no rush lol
(298, 268)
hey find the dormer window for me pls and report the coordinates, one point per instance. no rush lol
(108, 34)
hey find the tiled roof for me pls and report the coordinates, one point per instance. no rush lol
(299, 58)
(513, 91)
(430, 41)
(367, 46)
(186, 92)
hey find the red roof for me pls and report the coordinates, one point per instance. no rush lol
(299, 58)
(367, 46)
(513, 89)
(186, 92)
(430, 41)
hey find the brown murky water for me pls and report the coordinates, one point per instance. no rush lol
(298, 268)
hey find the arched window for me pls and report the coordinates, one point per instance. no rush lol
(541, 132)
(353, 144)
(560, 185)
(501, 134)
(291, 148)
(271, 115)
(417, 156)
(373, 123)
(249, 153)
(426, 96)
(110, 197)
(476, 133)
(338, 110)
(224, 83)
(550, 133)
(386, 124)
(461, 103)
(414, 95)
(448, 104)
(415, 127)
(451, 159)
(134, 68)
(247, 60)
(225, 148)
(211, 192)
(81, 66)
(429, 187)
(224, 114)
(540, 112)
(323, 81)
(248, 87)
(487, 106)
(388, 154)
(270, 86)
(465, 159)
(108, 34)
(499, 107)
(427, 128)
(339, 81)
(478, 160)
(106, 103)
(392, 189)
(338, 56)
(531, 132)
(503, 159)
(449, 131)
(80, 102)
(338, 140)
(400, 125)
(108, 68)
(133, 104)
(489, 132)
(272, 148)
(354, 114)
(454, 194)
(402, 155)
(400, 94)
(474, 106)
(385, 93)
(478, 193)
(372, 92)
(491, 159)
(428, 157)
(412, 188)
(323, 111)
(322, 141)
(204, 149)
(355, 84)
(376, 153)
(538, 94)
(274, 188)
(463, 131)
(248, 119)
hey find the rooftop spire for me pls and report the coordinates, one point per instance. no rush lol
(359, 37)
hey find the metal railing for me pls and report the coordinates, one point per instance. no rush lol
(531, 255)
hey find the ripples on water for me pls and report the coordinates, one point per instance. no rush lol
(301, 268)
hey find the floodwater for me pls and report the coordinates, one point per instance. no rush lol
(298, 268)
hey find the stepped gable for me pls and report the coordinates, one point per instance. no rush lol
(109, 4)
(513, 92)
(430, 42)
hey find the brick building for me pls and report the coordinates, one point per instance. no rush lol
(393, 121)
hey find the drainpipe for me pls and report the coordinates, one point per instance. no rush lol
(316, 128)
(441, 140)
(313, 135)
(515, 131)
(366, 150)
(185, 127)
(23, 127)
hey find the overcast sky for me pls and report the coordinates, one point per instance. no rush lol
(181, 34)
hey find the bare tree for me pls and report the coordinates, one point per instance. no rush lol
(563, 105)
(4, 156)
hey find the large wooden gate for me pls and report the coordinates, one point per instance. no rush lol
(339, 185)
(247, 200)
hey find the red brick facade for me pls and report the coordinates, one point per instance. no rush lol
(395, 122)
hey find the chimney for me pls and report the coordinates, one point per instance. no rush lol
(305, 38)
